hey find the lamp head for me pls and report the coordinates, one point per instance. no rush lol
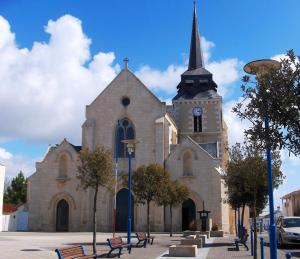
(261, 66)
(130, 144)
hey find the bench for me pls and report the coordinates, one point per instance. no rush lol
(142, 237)
(242, 241)
(117, 243)
(73, 252)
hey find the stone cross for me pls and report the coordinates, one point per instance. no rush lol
(126, 60)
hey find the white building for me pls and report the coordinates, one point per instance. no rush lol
(2, 178)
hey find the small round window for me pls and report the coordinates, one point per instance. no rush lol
(125, 101)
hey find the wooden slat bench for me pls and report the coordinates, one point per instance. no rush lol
(142, 238)
(117, 243)
(73, 252)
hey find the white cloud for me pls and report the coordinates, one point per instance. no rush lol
(166, 80)
(206, 49)
(236, 126)
(290, 158)
(46, 88)
(16, 163)
(224, 72)
(4, 154)
(279, 57)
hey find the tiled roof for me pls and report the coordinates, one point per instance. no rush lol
(77, 148)
(9, 208)
(290, 194)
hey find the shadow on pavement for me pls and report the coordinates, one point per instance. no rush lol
(87, 244)
(218, 244)
(105, 256)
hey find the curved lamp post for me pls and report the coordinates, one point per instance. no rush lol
(259, 67)
(130, 144)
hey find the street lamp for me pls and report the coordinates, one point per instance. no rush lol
(258, 68)
(130, 143)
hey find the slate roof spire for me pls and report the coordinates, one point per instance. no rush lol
(196, 59)
(196, 81)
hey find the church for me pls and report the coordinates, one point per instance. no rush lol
(187, 138)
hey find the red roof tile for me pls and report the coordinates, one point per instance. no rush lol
(9, 208)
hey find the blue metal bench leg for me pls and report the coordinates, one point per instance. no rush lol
(137, 245)
(109, 253)
(237, 246)
(120, 250)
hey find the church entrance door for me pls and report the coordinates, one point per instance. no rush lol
(188, 214)
(122, 210)
(62, 216)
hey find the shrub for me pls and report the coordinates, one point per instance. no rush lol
(193, 225)
(215, 227)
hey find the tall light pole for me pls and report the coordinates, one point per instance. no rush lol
(116, 182)
(130, 143)
(259, 67)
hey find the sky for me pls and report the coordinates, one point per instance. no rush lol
(56, 56)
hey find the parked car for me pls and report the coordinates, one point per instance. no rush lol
(288, 231)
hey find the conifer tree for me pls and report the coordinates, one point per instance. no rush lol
(15, 192)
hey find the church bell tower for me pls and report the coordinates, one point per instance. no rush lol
(197, 107)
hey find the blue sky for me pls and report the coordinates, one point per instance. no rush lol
(51, 70)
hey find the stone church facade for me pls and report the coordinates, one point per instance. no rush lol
(188, 138)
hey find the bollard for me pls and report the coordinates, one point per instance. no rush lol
(252, 243)
(288, 255)
(260, 227)
(262, 253)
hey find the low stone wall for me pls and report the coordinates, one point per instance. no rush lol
(183, 251)
(189, 233)
(203, 238)
(217, 233)
(190, 241)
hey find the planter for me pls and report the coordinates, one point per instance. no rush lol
(216, 233)
(183, 251)
(197, 242)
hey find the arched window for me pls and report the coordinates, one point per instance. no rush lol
(187, 163)
(124, 130)
(63, 166)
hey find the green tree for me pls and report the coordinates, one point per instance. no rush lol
(95, 170)
(15, 192)
(235, 181)
(173, 194)
(148, 182)
(276, 95)
(249, 162)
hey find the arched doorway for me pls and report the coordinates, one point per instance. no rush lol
(122, 210)
(188, 214)
(62, 216)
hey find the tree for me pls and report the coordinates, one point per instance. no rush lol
(276, 95)
(147, 184)
(248, 164)
(95, 170)
(173, 195)
(235, 181)
(15, 192)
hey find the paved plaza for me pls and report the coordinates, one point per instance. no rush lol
(33, 245)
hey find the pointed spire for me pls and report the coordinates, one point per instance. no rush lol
(196, 60)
